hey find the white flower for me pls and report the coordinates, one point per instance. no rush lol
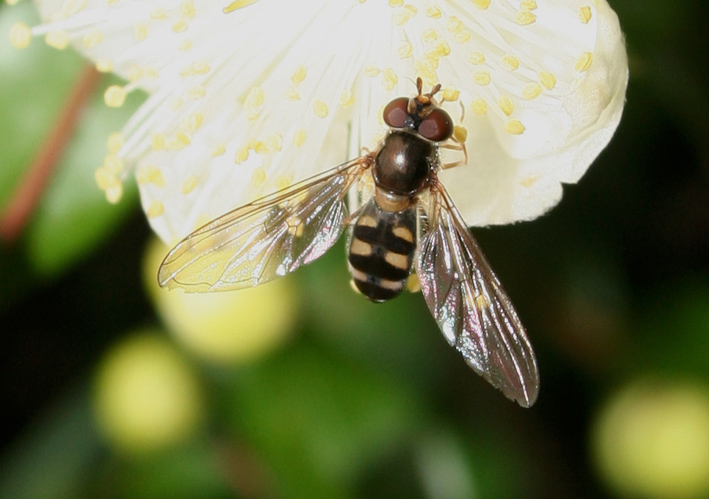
(251, 96)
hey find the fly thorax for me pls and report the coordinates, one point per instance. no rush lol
(404, 163)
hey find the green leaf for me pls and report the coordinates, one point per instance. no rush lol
(34, 83)
(74, 216)
(319, 421)
(57, 455)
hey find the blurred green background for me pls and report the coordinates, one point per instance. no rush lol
(303, 389)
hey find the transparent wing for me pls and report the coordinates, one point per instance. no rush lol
(265, 239)
(470, 306)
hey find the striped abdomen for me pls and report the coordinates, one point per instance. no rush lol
(381, 251)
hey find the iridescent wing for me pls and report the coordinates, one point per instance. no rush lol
(470, 306)
(265, 239)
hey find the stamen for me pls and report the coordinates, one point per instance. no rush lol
(20, 35)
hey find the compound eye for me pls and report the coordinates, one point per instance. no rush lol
(395, 113)
(437, 126)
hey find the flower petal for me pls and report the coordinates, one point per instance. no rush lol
(512, 177)
(248, 101)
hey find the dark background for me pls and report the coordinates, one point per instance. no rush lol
(613, 287)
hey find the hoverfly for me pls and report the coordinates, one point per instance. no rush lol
(410, 222)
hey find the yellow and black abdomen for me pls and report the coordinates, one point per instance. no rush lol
(381, 251)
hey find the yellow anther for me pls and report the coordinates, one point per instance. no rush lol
(114, 193)
(433, 12)
(114, 96)
(476, 57)
(113, 164)
(196, 92)
(479, 107)
(135, 73)
(371, 71)
(179, 141)
(482, 4)
(410, 10)
(462, 36)
(242, 154)
(585, 14)
(482, 78)
(110, 184)
(254, 103)
(299, 138)
(389, 79)
(440, 49)
(259, 147)
(57, 39)
(400, 18)
(405, 50)
(412, 283)
(274, 142)
(548, 80)
(292, 94)
(584, 62)
(396, 3)
(140, 31)
(426, 72)
(188, 184)
(71, 7)
(299, 75)
(320, 109)
(429, 35)
(346, 99)
(218, 150)
(155, 210)
(180, 26)
(185, 45)
(20, 35)
(92, 38)
(525, 17)
(528, 4)
(192, 122)
(151, 174)
(506, 105)
(510, 62)
(532, 91)
(460, 133)
(104, 65)
(514, 127)
(159, 14)
(454, 24)
(114, 142)
(104, 178)
(239, 4)
(158, 141)
(451, 94)
(187, 9)
(201, 68)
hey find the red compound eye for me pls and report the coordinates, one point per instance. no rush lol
(395, 113)
(437, 126)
